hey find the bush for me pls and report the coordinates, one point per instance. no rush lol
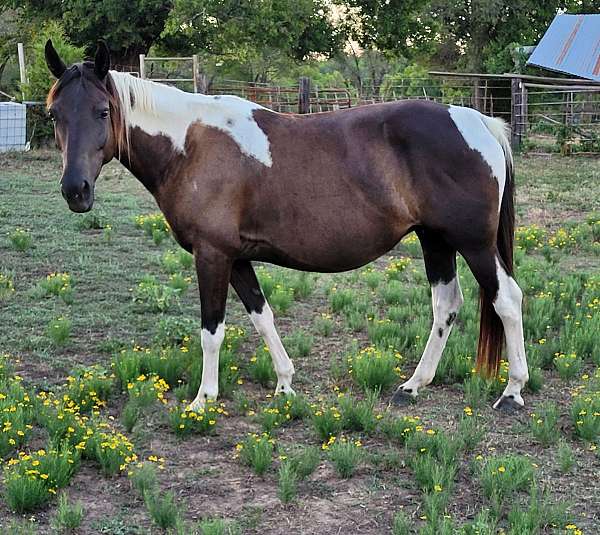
(40, 79)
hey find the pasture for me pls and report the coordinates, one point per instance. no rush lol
(99, 337)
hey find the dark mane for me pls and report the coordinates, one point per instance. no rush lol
(85, 72)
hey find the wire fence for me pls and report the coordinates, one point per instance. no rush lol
(545, 117)
(562, 118)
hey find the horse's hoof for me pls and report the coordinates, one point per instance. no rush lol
(401, 398)
(507, 404)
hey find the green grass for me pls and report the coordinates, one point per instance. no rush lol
(326, 318)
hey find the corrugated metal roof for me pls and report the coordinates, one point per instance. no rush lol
(572, 45)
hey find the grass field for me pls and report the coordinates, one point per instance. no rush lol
(99, 328)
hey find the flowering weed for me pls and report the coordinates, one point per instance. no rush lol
(543, 424)
(20, 239)
(256, 451)
(185, 422)
(345, 455)
(373, 368)
(59, 285)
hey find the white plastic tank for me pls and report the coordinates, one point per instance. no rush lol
(13, 135)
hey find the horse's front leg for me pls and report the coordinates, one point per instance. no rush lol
(246, 285)
(214, 272)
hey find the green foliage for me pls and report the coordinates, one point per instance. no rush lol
(20, 239)
(374, 369)
(40, 79)
(305, 461)
(261, 367)
(543, 424)
(144, 479)
(501, 476)
(345, 455)
(68, 516)
(163, 509)
(256, 451)
(59, 330)
(287, 486)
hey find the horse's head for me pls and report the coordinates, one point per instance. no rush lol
(83, 107)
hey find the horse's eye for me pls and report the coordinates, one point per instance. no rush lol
(104, 114)
(51, 115)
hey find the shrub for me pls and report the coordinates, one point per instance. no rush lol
(185, 422)
(299, 344)
(112, 450)
(345, 455)
(501, 476)
(323, 324)
(256, 451)
(154, 296)
(568, 366)
(154, 225)
(20, 239)
(543, 424)
(59, 330)
(326, 420)
(33, 479)
(305, 461)
(89, 387)
(287, 486)
(59, 285)
(373, 368)
(163, 509)
(143, 478)
(68, 516)
(261, 367)
(7, 287)
(359, 415)
(281, 410)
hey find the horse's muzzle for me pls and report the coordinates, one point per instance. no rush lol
(79, 196)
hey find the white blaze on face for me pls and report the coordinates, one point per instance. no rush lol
(475, 129)
(161, 109)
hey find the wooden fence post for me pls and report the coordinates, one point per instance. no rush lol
(142, 66)
(22, 68)
(195, 73)
(516, 116)
(304, 95)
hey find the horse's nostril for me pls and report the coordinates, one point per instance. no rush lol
(85, 188)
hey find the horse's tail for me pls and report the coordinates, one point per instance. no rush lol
(491, 330)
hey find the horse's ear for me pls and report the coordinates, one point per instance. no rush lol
(102, 60)
(55, 64)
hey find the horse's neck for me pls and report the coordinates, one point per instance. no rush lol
(158, 129)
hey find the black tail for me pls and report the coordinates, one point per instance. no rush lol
(491, 330)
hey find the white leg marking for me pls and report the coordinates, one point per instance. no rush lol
(211, 345)
(447, 300)
(508, 306)
(284, 368)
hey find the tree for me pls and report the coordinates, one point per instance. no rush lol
(258, 35)
(128, 27)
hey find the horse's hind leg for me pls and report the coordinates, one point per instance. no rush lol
(500, 291)
(446, 296)
(245, 283)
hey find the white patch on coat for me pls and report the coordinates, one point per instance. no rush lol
(446, 301)
(284, 368)
(486, 135)
(209, 386)
(162, 109)
(508, 307)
